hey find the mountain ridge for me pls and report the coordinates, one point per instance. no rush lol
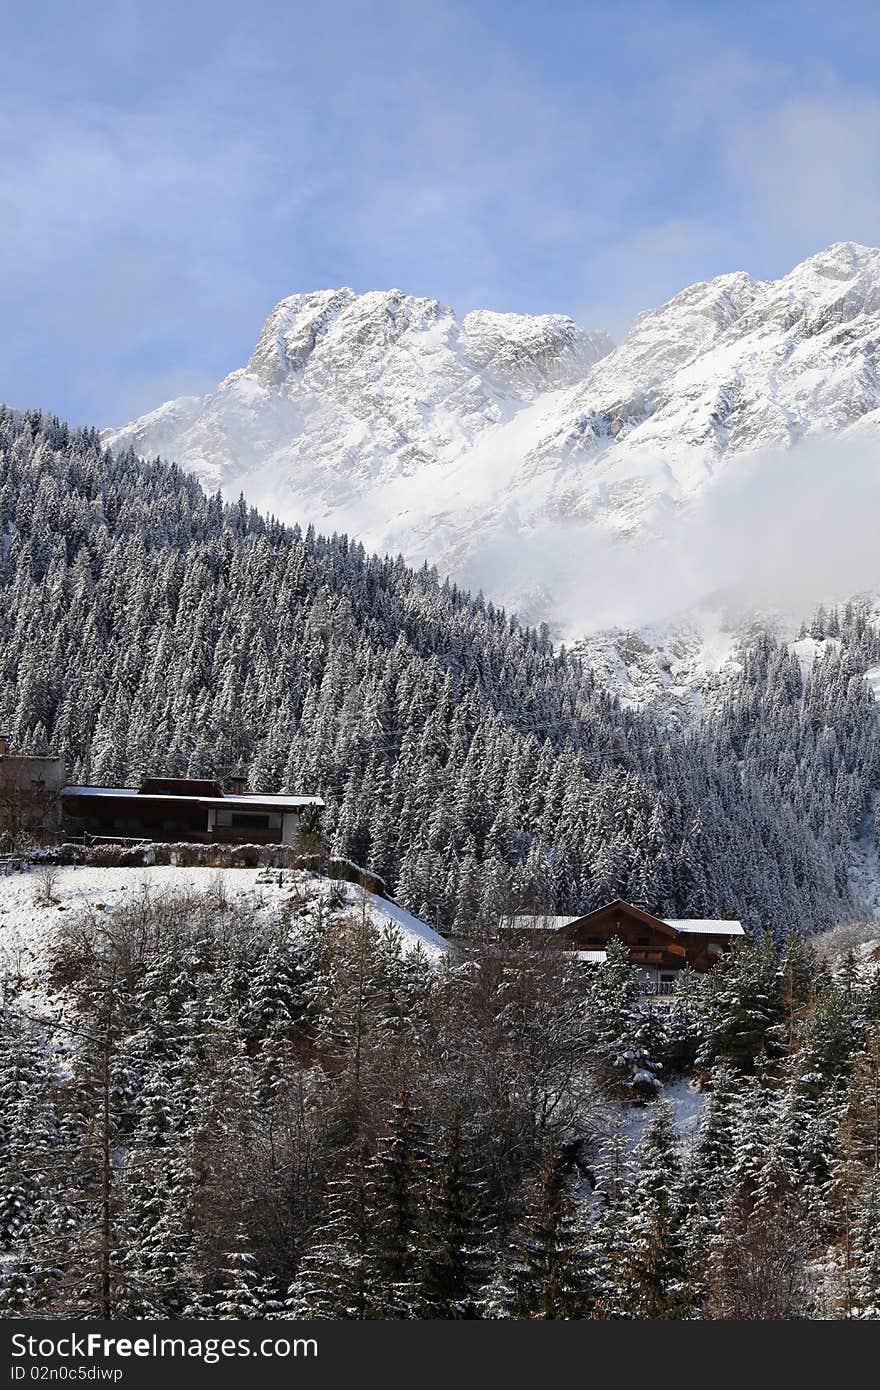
(517, 452)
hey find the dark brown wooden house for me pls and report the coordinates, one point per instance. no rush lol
(661, 947)
(186, 809)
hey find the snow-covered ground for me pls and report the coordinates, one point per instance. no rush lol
(677, 670)
(864, 872)
(810, 650)
(687, 1107)
(26, 922)
(873, 679)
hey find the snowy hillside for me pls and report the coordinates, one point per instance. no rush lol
(677, 671)
(27, 918)
(521, 453)
(459, 756)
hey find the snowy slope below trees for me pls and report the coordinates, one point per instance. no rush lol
(27, 920)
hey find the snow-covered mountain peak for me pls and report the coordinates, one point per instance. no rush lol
(331, 334)
(344, 390)
(842, 260)
(529, 352)
(663, 340)
(292, 330)
(513, 450)
(323, 332)
(824, 291)
(693, 319)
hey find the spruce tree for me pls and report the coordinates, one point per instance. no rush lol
(652, 1275)
(455, 1259)
(548, 1271)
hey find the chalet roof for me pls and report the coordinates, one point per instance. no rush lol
(618, 905)
(709, 926)
(689, 926)
(258, 801)
(180, 786)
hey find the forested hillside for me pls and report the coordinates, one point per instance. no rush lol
(148, 627)
(222, 1111)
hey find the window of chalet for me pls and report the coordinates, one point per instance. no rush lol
(643, 941)
(593, 940)
(253, 822)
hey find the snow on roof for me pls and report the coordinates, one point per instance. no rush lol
(270, 798)
(256, 800)
(707, 926)
(535, 923)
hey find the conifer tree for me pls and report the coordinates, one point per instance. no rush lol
(242, 1294)
(548, 1271)
(652, 1274)
(398, 1177)
(455, 1258)
(332, 1280)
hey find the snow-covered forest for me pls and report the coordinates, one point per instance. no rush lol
(216, 1108)
(146, 627)
(222, 1111)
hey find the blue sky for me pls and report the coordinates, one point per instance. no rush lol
(169, 171)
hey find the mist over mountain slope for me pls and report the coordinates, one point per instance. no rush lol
(527, 456)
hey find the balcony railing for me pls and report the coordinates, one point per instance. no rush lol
(662, 988)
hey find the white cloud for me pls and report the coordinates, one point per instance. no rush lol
(779, 531)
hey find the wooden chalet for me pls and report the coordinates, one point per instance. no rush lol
(186, 809)
(661, 947)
